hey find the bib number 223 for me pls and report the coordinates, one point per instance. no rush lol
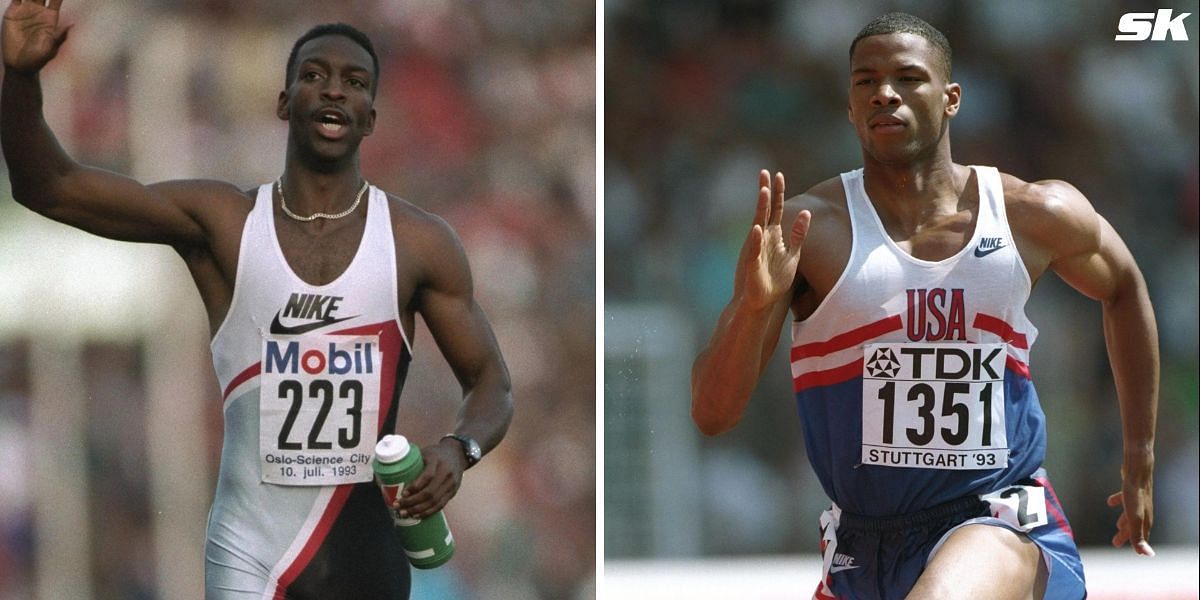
(319, 409)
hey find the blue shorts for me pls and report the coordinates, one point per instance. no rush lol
(871, 557)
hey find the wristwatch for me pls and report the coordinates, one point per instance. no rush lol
(470, 448)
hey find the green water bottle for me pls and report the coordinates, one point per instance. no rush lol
(427, 542)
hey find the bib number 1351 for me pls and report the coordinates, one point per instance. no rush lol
(319, 409)
(937, 406)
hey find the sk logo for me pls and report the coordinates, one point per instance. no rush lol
(1136, 26)
(883, 363)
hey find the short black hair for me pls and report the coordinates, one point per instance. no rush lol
(898, 22)
(341, 29)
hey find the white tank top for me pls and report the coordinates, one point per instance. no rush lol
(911, 375)
(309, 376)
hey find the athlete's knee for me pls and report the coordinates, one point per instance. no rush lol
(977, 559)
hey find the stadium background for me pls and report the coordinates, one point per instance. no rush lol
(110, 421)
(701, 94)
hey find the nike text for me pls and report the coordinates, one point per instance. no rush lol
(988, 245)
(311, 306)
(841, 562)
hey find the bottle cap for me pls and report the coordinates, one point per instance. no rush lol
(391, 448)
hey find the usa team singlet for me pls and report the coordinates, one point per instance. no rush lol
(309, 375)
(914, 393)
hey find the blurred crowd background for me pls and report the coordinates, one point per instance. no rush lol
(486, 117)
(701, 94)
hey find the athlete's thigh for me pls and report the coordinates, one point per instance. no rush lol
(983, 561)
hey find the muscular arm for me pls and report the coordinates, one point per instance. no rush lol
(464, 336)
(46, 180)
(200, 219)
(727, 369)
(1089, 255)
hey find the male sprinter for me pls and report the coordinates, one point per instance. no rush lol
(910, 345)
(311, 285)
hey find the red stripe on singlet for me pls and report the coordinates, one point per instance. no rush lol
(848, 339)
(999, 327)
(390, 344)
(332, 510)
(828, 376)
(251, 372)
(1016, 366)
(1053, 507)
(820, 593)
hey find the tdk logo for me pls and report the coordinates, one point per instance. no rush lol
(286, 358)
(1135, 26)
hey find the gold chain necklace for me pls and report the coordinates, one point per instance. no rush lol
(320, 215)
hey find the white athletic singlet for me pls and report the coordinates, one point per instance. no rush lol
(310, 376)
(911, 376)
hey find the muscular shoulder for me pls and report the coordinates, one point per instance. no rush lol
(426, 240)
(827, 246)
(209, 202)
(827, 203)
(1050, 216)
(827, 198)
(219, 207)
(205, 193)
(419, 225)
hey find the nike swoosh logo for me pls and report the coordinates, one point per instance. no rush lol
(835, 568)
(980, 252)
(281, 329)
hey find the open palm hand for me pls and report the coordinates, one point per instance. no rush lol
(769, 260)
(31, 34)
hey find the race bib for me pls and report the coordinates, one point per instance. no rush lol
(1022, 506)
(318, 409)
(934, 406)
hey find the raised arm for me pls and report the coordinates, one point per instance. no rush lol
(727, 369)
(1089, 255)
(48, 181)
(464, 336)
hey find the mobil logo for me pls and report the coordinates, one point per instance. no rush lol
(292, 357)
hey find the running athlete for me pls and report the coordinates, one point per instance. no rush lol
(311, 285)
(910, 345)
